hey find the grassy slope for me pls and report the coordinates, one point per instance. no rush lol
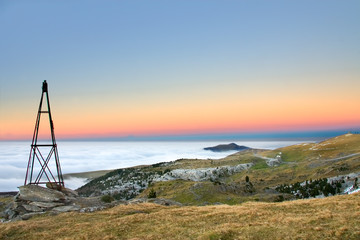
(329, 218)
(329, 149)
(4, 201)
(306, 161)
(302, 162)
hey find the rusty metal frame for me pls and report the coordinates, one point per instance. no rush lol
(36, 153)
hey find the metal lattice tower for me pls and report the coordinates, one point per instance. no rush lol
(39, 170)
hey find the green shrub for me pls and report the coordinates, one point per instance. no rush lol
(107, 199)
(152, 193)
(279, 198)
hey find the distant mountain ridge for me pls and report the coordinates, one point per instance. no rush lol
(226, 147)
(249, 175)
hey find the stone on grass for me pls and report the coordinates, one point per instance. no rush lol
(66, 208)
(46, 204)
(36, 193)
(69, 192)
(32, 208)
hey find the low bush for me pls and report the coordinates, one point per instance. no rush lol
(107, 199)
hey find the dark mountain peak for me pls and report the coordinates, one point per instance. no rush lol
(227, 147)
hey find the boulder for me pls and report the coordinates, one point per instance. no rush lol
(54, 186)
(46, 204)
(69, 192)
(32, 208)
(36, 193)
(9, 213)
(66, 208)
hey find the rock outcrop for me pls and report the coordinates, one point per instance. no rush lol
(203, 174)
(34, 200)
(35, 193)
(127, 183)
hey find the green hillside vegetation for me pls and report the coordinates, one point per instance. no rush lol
(329, 149)
(300, 163)
(328, 218)
(333, 157)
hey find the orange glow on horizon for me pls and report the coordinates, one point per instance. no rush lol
(185, 130)
(199, 119)
(258, 111)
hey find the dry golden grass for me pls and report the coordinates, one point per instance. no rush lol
(330, 218)
(331, 148)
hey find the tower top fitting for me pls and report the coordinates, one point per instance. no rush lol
(44, 86)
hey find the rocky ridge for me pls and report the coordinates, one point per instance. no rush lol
(33, 200)
(127, 183)
(272, 162)
(203, 174)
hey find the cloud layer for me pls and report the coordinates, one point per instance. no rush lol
(91, 156)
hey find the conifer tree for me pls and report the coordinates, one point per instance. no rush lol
(152, 193)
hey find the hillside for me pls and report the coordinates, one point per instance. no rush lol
(328, 218)
(274, 175)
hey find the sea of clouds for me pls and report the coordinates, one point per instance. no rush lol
(84, 156)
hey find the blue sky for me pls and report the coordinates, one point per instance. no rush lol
(179, 58)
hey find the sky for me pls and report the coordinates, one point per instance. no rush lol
(147, 68)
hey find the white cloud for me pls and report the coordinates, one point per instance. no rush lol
(8, 171)
(74, 183)
(91, 156)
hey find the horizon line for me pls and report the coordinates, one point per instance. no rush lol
(255, 136)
